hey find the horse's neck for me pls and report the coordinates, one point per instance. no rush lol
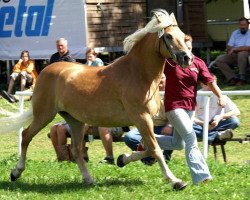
(147, 58)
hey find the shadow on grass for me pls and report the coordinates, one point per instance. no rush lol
(65, 186)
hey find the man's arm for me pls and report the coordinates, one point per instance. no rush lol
(231, 49)
(234, 112)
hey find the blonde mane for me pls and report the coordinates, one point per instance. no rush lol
(159, 21)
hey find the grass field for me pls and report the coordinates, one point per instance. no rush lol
(45, 178)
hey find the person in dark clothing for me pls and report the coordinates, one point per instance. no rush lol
(62, 53)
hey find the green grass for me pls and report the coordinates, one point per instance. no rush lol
(45, 178)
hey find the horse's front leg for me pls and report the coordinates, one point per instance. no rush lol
(145, 126)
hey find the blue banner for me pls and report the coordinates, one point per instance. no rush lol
(35, 25)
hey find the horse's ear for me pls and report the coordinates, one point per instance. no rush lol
(172, 17)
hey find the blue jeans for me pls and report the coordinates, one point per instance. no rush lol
(133, 138)
(183, 132)
(230, 123)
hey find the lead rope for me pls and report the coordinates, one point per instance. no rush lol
(169, 63)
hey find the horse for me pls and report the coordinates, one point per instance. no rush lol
(121, 94)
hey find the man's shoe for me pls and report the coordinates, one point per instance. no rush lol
(8, 97)
(13, 97)
(227, 134)
(108, 160)
(148, 160)
(233, 81)
(241, 82)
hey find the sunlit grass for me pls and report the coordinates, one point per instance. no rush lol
(45, 178)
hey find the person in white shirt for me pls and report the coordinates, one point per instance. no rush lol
(221, 120)
(238, 51)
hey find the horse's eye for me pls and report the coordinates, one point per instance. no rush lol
(169, 37)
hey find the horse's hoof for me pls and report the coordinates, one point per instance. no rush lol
(89, 182)
(179, 185)
(119, 161)
(12, 177)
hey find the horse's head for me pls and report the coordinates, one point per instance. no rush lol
(172, 39)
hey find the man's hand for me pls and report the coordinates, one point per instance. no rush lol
(221, 101)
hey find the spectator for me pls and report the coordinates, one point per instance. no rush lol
(62, 53)
(25, 72)
(92, 59)
(238, 51)
(58, 134)
(222, 120)
(161, 126)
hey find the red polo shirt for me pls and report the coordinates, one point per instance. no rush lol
(181, 84)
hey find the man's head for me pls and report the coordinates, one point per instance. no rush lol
(62, 46)
(244, 24)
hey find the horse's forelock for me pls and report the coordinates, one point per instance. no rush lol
(159, 21)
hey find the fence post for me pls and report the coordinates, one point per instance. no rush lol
(205, 126)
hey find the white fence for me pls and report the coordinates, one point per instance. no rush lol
(21, 101)
(207, 94)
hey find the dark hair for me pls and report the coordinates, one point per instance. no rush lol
(23, 52)
(244, 19)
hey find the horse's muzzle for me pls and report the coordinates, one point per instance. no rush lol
(184, 60)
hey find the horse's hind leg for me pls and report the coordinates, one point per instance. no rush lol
(77, 136)
(27, 136)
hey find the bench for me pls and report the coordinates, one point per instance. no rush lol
(90, 138)
(222, 143)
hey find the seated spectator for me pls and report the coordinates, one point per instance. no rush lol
(238, 51)
(161, 127)
(107, 136)
(221, 120)
(133, 140)
(58, 134)
(92, 59)
(25, 72)
(62, 53)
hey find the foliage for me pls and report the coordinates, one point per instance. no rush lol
(45, 178)
(213, 54)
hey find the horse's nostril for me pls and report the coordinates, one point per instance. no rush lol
(186, 58)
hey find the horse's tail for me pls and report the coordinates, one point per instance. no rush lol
(15, 122)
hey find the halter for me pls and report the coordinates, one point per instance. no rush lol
(173, 56)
